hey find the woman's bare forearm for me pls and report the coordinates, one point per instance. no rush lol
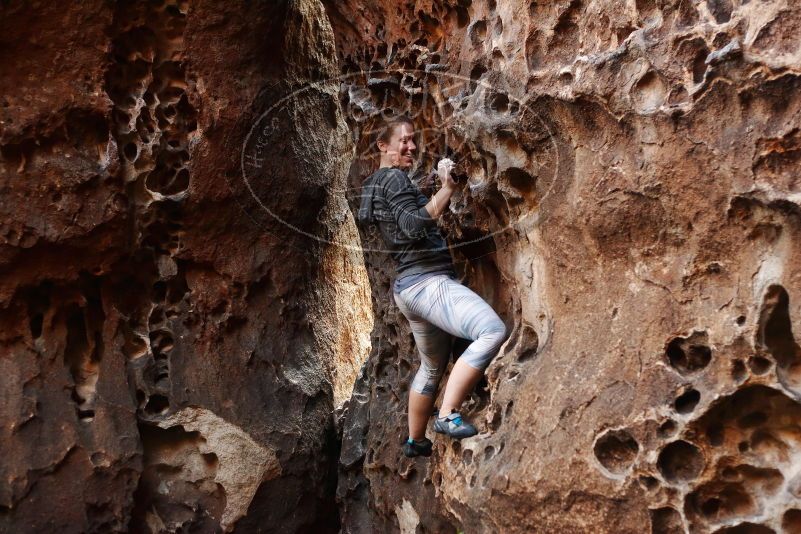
(439, 201)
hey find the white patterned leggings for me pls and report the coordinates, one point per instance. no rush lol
(440, 307)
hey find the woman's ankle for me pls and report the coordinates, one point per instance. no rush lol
(444, 412)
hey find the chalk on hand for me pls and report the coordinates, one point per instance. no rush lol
(445, 162)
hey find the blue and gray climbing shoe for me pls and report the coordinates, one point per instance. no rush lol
(454, 426)
(413, 447)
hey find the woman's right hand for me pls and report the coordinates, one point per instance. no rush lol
(444, 168)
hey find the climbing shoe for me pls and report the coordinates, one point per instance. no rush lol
(454, 426)
(413, 447)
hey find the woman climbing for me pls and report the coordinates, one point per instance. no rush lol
(426, 290)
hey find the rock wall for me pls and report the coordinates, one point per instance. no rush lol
(169, 358)
(185, 301)
(631, 209)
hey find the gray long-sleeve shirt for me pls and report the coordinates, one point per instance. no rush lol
(396, 205)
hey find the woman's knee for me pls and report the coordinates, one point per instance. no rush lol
(426, 381)
(491, 339)
(495, 334)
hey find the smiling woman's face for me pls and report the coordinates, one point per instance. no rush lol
(400, 149)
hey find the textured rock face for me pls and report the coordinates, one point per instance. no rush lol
(634, 167)
(175, 339)
(169, 357)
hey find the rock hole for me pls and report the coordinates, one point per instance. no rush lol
(499, 103)
(475, 74)
(616, 450)
(699, 66)
(489, 452)
(35, 323)
(759, 365)
(130, 151)
(462, 17)
(121, 118)
(741, 320)
(738, 371)
(667, 429)
(666, 521)
(687, 401)
(649, 92)
(83, 351)
(623, 32)
(791, 521)
(648, 482)
(157, 404)
(134, 347)
(776, 335)
(478, 32)
(680, 461)
(746, 528)
(534, 51)
(527, 342)
(710, 507)
(467, 456)
(181, 182)
(730, 474)
(38, 301)
(159, 291)
(720, 9)
(498, 29)
(520, 180)
(156, 317)
(496, 419)
(689, 355)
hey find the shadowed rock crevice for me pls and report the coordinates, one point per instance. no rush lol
(775, 336)
(168, 354)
